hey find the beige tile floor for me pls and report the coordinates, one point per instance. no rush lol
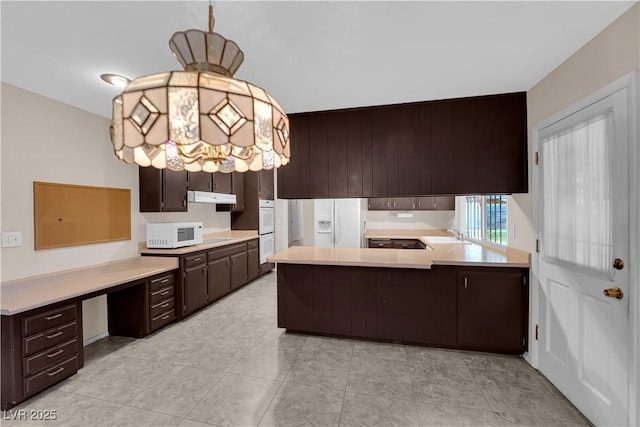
(230, 365)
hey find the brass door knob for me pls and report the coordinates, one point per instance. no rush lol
(613, 293)
(618, 264)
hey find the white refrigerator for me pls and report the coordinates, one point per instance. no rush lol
(338, 223)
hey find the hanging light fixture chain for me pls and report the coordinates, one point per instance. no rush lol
(211, 19)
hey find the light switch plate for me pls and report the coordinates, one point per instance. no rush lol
(513, 231)
(11, 239)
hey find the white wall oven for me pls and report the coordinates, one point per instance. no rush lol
(267, 227)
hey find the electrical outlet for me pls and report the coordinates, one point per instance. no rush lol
(11, 239)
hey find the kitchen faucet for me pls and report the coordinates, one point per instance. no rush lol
(459, 235)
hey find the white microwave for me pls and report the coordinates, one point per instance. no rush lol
(169, 235)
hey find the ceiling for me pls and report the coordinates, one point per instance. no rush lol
(309, 55)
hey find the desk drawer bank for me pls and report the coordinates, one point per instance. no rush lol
(41, 322)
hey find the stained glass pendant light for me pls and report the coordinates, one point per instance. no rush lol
(200, 119)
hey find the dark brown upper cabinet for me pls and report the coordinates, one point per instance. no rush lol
(162, 190)
(200, 181)
(222, 183)
(475, 145)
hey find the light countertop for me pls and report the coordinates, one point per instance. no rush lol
(237, 235)
(467, 254)
(28, 293)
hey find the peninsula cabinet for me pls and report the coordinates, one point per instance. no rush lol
(417, 306)
(475, 145)
(162, 190)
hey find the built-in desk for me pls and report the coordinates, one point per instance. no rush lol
(41, 318)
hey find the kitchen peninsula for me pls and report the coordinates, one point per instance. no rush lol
(453, 295)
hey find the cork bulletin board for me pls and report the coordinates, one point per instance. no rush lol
(70, 215)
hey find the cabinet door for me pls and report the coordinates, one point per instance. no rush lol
(409, 147)
(380, 243)
(150, 189)
(196, 290)
(379, 204)
(253, 264)
(337, 149)
(222, 183)
(465, 146)
(238, 269)
(175, 191)
(318, 155)
(440, 136)
(265, 184)
(445, 203)
(401, 203)
(200, 181)
(492, 310)
(425, 203)
(219, 278)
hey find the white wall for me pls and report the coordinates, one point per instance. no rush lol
(45, 140)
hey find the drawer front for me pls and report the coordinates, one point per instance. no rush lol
(50, 319)
(252, 244)
(51, 356)
(226, 251)
(406, 244)
(193, 260)
(162, 319)
(49, 338)
(375, 243)
(161, 295)
(162, 307)
(50, 376)
(161, 282)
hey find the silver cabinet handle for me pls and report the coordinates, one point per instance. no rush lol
(466, 284)
(55, 316)
(55, 354)
(56, 372)
(57, 334)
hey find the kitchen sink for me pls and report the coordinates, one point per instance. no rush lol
(219, 240)
(439, 240)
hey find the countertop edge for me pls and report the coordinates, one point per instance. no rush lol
(195, 248)
(352, 264)
(149, 271)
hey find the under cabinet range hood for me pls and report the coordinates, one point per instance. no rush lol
(215, 198)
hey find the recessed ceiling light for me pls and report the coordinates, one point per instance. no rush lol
(115, 79)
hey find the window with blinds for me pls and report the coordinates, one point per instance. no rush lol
(486, 218)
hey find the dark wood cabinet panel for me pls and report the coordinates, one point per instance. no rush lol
(409, 146)
(465, 146)
(237, 188)
(219, 278)
(431, 307)
(442, 149)
(402, 203)
(379, 152)
(490, 310)
(266, 185)
(222, 183)
(425, 203)
(318, 146)
(162, 190)
(379, 203)
(200, 181)
(355, 154)
(475, 145)
(253, 264)
(444, 203)
(196, 289)
(337, 149)
(238, 269)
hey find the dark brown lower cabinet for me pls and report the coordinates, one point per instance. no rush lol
(490, 309)
(253, 264)
(219, 278)
(238, 269)
(196, 288)
(426, 307)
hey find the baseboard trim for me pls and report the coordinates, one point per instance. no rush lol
(95, 338)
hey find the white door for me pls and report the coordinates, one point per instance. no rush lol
(584, 228)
